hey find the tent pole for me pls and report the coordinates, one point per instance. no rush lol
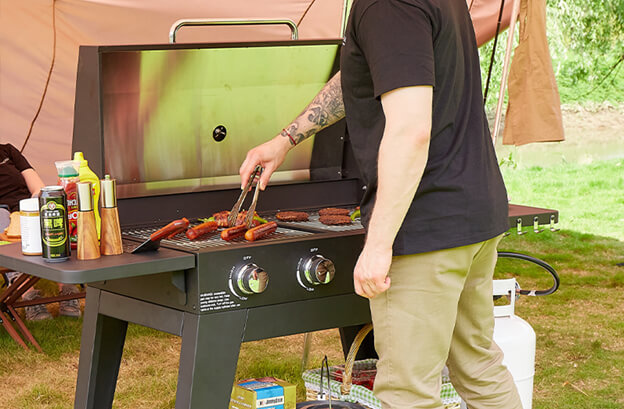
(503, 85)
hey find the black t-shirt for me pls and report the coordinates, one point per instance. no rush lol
(13, 187)
(391, 44)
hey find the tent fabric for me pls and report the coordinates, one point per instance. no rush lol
(534, 111)
(35, 33)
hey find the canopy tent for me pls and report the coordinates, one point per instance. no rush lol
(39, 41)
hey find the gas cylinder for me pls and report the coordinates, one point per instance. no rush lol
(516, 339)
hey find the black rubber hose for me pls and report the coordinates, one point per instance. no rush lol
(544, 265)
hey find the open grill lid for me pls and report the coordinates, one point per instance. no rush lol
(180, 117)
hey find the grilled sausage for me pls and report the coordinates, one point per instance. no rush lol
(170, 230)
(202, 229)
(261, 231)
(233, 232)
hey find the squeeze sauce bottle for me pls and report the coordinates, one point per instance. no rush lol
(68, 177)
(87, 175)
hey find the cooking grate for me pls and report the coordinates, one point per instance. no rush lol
(210, 241)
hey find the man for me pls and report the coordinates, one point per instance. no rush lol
(435, 204)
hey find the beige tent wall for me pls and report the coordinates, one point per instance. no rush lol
(27, 49)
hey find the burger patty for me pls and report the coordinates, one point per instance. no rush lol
(292, 216)
(335, 219)
(333, 211)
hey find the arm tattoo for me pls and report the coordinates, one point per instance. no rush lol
(326, 109)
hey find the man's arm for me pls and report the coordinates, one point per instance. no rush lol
(325, 109)
(33, 181)
(403, 154)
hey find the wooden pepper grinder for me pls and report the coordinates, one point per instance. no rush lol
(88, 246)
(110, 242)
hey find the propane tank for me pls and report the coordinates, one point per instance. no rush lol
(516, 339)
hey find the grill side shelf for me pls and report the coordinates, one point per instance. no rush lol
(76, 271)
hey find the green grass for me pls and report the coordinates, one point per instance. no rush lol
(589, 198)
(579, 328)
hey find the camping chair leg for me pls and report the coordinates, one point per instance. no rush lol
(17, 285)
(15, 295)
(6, 323)
(22, 327)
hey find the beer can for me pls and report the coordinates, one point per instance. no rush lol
(55, 244)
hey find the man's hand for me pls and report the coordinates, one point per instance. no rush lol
(370, 276)
(270, 155)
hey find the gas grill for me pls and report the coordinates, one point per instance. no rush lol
(172, 123)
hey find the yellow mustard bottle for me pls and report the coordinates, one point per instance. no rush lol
(87, 175)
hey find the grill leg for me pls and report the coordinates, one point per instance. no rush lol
(208, 359)
(99, 365)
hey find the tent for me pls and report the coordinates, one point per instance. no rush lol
(39, 41)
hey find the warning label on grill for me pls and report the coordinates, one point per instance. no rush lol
(216, 301)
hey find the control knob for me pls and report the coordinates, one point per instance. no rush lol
(250, 279)
(318, 270)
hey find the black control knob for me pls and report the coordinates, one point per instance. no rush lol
(318, 270)
(250, 279)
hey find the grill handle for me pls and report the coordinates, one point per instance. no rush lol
(242, 22)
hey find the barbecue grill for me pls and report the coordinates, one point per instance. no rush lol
(190, 113)
(172, 123)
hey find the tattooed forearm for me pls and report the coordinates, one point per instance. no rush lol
(326, 109)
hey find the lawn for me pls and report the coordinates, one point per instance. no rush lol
(580, 329)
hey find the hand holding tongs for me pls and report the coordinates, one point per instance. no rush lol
(239, 203)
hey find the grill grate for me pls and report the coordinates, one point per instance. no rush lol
(210, 241)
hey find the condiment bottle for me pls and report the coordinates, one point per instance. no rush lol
(29, 226)
(110, 242)
(87, 175)
(88, 246)
(67, 171)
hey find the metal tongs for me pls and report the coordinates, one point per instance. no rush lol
(239, 203)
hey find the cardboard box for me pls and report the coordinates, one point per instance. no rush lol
(263, 393)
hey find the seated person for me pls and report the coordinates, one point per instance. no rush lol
(18, 180)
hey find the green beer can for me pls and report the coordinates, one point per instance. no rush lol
(55, 244)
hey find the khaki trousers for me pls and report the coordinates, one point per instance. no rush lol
(439, 310)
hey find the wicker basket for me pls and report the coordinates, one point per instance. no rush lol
(346, 391)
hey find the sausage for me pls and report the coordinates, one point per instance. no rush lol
(261, 231)
(201, 229)
(233, 232)
(170, 230)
